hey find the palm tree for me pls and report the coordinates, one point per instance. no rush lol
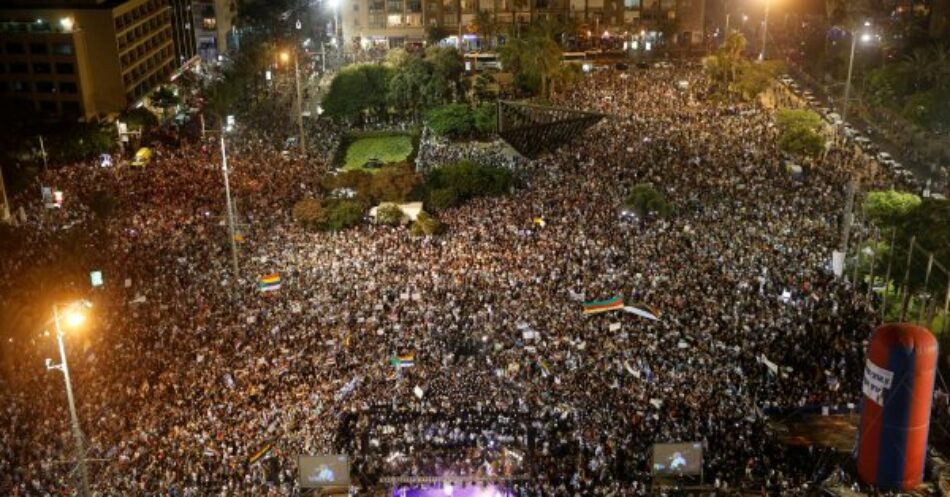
(940, 56)
(485, 26)
(919, 68)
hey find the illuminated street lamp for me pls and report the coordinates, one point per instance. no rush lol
(765, 30)
(67, 23)
(865, 37)
(71, 316)
(285, 57)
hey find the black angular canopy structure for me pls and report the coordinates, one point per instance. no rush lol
(535, 129)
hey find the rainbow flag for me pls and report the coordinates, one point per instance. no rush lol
(545, 367)
(259, 454)
(269, 283)
(403, 360)
(598, 306)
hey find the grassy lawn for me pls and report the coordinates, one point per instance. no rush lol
(392, 148)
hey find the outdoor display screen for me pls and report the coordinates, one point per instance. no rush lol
(324, 471)
(453, 490)
(678, 459)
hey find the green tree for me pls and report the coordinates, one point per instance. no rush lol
(416, 85)
(357, 180)
(389, 214)
(435, 33)
(486, 119)
(396, 57)
(342, 214)
(533, 56)
(442, 198)
(165, 98)
(787, 119)
(929, 223)
(452, 120)
(394, 183)
(425, 225)
(802, 142)
(644, 199)
(889, 207)
(223, 95)
(800, 132)
(103, 204)
(471, 180)
(357, 91)
(486, 27)
(309, 213)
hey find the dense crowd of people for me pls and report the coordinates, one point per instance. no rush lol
(185, 370)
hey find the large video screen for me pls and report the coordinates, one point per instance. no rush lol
(324, 471)
(453, 490)
(678, 459)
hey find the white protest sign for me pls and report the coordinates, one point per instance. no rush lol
(876, 379)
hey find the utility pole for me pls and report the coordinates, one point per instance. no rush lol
(765, 31)
(5, 213)
(227, 196)
(74, 419)
(847, 84)
(303, 139)
(43, 151)
(848, 217)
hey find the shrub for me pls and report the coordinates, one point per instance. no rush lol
(486, 119)
(343, 214)
(309, 213)
(393, 183)
(453, 120)
(443, 198)
(103, 204)
(471, 180)
(389, 214)
(355, 179)
(425, 225)
(644, 199)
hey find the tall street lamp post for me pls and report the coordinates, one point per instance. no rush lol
(284, 56)
(765, 30)
(865, 38)
(74, 317)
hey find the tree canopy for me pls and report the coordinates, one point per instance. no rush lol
(644, 199)
(800, 132)
(356, 91)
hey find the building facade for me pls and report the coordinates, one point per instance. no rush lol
(396, 22)
(82, 59)
(214, 27)
(182, 31)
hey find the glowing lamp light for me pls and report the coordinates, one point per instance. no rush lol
(866, 37)
(448, 489)
(284, 56)
(74, 318)
(67, 23)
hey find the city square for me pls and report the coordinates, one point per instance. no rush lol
(551, 249)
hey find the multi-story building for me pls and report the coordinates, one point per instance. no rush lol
(396, 22)
(182, 31)
(84, 58)
(214, 26)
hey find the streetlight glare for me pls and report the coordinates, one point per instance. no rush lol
(866, 37)
(74, 318)
(67, 23)
(284, 56)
